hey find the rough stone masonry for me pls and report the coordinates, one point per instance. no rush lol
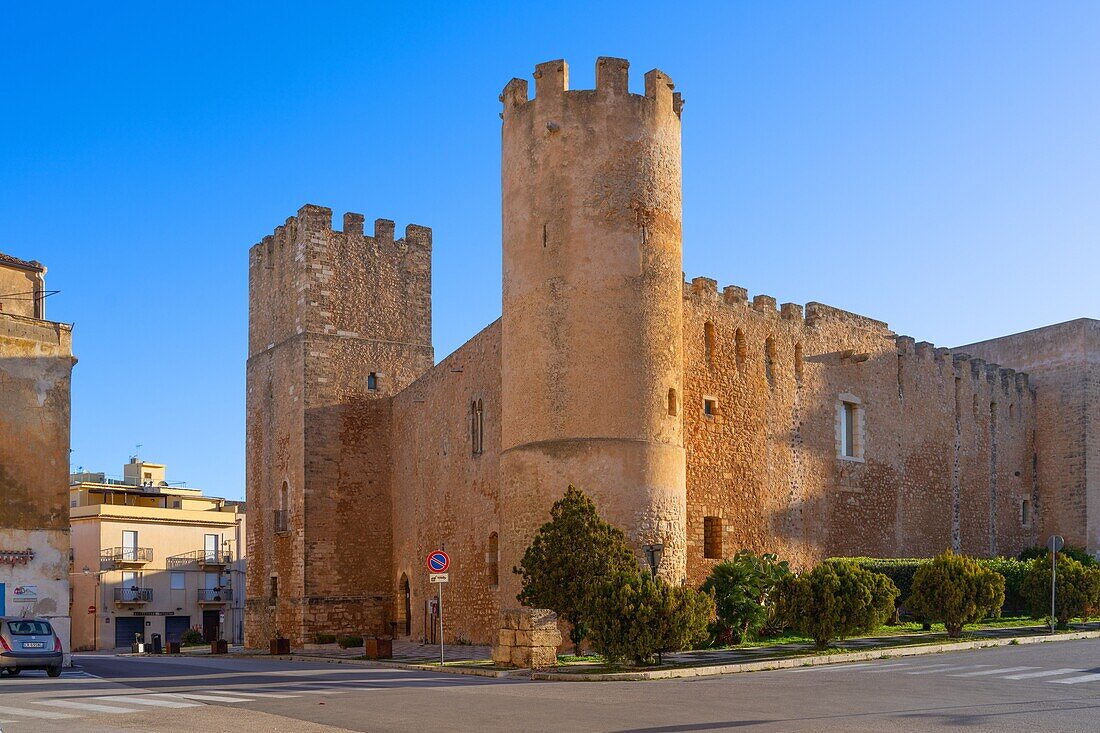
(695, 416)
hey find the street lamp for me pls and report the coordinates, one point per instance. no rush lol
(653, 554)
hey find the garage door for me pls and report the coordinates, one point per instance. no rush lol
(126, 627)
(174, 626)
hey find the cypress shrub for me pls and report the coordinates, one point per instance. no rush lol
(835, 600)
(956, 590)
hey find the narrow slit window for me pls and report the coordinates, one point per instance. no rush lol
(477, 427)
(769, 360)
(850, 430)
(1025, 513)
(708, 343)
(372, 382)
(672, 406)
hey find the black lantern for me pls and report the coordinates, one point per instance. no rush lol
(653, 554)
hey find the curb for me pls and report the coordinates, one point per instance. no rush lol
(810, 661)
(411, 666)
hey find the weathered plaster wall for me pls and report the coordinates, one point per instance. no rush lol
(35, 381)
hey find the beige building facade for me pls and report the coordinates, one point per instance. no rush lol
(153, 558)
(36, 361)
(697, 417)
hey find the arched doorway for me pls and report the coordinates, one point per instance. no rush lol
(406, 604)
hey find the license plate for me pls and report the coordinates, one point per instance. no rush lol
(33, 644)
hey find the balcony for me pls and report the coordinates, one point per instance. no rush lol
(133, 596)
(282, 520)
(215, 596)
(203, 559)
(125, 557)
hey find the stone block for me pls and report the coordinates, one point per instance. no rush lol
(506, 637)
(502, 655)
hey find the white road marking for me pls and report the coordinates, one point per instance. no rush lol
(883, 667)
(1075, 680)
(208, 698)
(827, 667)
(1045, 673)
(1002, 670)
(147, 701)
(90, 707)
(948, 669)
(35, 713)
(250, 693)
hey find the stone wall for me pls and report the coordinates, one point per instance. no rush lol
(445, 494)
(767, 465)
(1063, 361)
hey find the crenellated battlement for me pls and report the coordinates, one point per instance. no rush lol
(979, 368)
(705, 290)
(612, 80)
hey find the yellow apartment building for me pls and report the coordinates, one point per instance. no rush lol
(150, 558)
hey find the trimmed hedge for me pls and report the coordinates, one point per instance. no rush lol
(901, 571)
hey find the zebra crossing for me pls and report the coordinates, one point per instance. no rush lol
(79, 701)
(978, 672)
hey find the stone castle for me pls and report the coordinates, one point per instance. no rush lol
(695, 417)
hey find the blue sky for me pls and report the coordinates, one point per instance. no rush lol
(933, 165)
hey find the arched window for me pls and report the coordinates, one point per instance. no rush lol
(739, 348)
(798, 363)
(477, 427)
(769, 360)
(708, 342)
(492, 560)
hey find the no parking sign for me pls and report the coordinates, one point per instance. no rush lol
(439, 561)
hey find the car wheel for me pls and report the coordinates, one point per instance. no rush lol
(53, 671)
(14, 672)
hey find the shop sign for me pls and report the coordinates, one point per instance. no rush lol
(25, 593)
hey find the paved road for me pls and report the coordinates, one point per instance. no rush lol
(1042, 687)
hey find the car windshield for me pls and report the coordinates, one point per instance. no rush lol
(29, 628)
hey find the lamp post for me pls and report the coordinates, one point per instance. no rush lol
(653, 554)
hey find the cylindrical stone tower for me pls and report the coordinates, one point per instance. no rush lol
(591, 349)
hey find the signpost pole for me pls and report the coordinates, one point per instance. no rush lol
(440, 624)
(1053, 576)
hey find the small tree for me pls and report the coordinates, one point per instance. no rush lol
(568, 555)
(835, 600)
(956, 590)
(742, 588)
(1077, 590)
(634, 616)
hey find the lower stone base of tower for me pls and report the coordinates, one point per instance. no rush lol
(637, 486)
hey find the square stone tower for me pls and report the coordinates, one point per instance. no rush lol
(339, 322)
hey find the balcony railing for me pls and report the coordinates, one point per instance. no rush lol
(126, 555)
(202, 558)
(282, 520)
(133, 595)
(214, 595)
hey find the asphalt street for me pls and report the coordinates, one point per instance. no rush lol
(1041, 687)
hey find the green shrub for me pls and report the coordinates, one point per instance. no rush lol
(633, 616)
(192, 637)
(1080, 554)
(835, 600)
(956, 590)
(1077, 590)
(349, 642)
(1013, 571)
(568, 554)
(742, 590)
(324, 638)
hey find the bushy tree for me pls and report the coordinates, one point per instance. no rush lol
(742, 588)
(956, 590)
(567, 556)
(1077, 590)
(835, 600)
(633, 616)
